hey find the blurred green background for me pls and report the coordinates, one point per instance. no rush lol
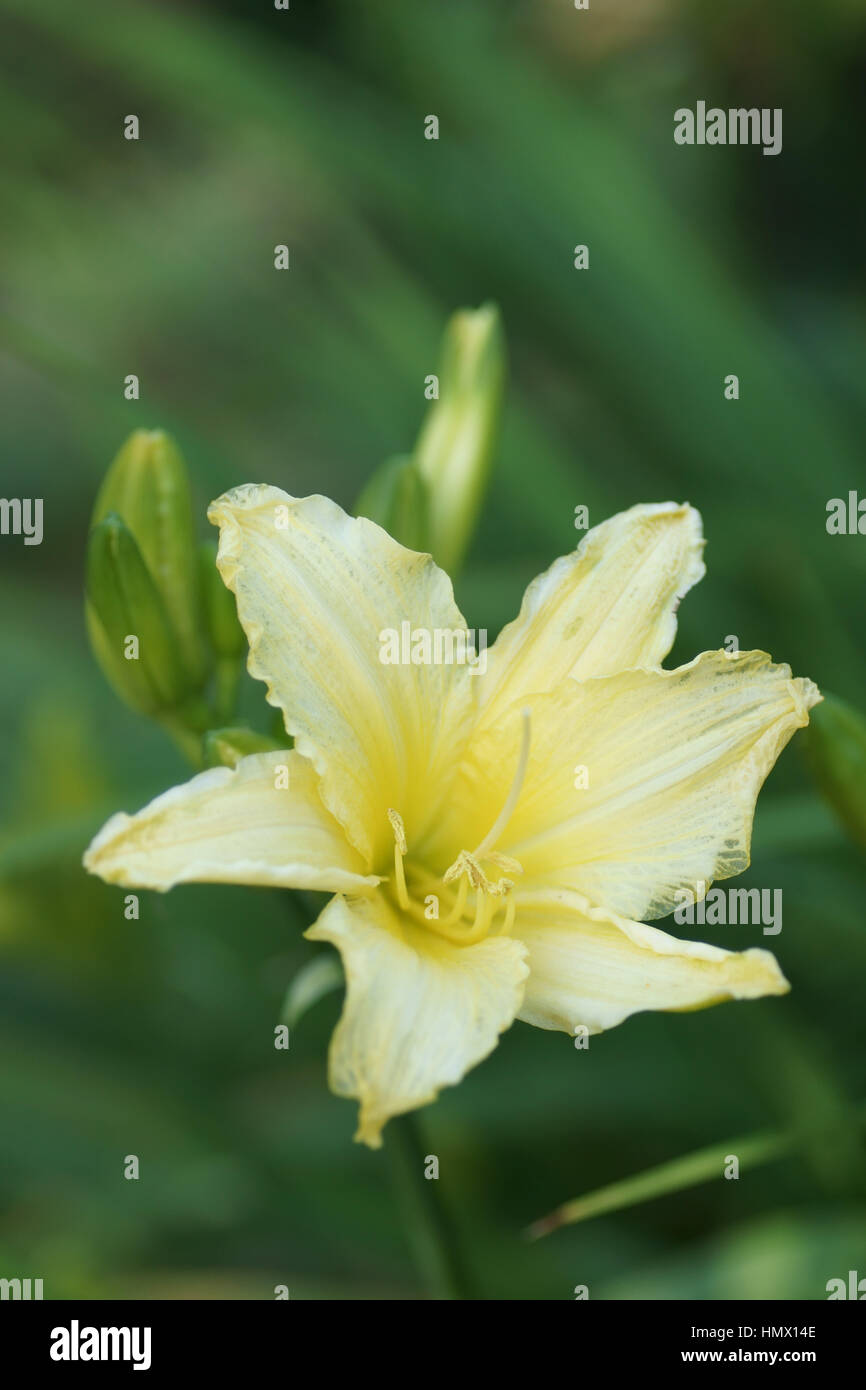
(261, 127)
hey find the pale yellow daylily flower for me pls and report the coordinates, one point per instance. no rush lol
(478, 879)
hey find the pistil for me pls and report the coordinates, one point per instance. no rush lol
(489, 841)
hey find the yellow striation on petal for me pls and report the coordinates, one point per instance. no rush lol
(233, 825)
(399, 767)
(419, 1011)
(315, 589)
(608, 606)
(675, 760)
(592, 968)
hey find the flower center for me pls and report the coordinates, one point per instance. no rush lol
(467, 919)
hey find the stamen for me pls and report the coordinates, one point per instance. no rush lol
(467, 867)
(399, 830)
(459, 903)
(504, 861)
(482, 911)
(459, 936)
(486, 908)
(400, 848)
(465, 864)
(510, 907)
(505, 814)
(400, 879)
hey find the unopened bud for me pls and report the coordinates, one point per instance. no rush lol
(396, 498)
(455, 445)
(129, 627)
(835, 745)
(147, 486)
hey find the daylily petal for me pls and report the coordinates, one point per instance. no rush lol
(419, 1012)
(592, 968)
(674, 761)
(233, 825)
(315, 588)
(608, 606)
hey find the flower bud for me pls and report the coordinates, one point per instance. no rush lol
(220, 609)
(455, 445)
(396, 498)
(224, 631)
(129, 627)
(835, 747)
(148, 487)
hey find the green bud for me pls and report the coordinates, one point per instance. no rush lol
(129, 627)
(226, 747)
(396, 498)
(835, 747)
(148, 487)
(455, 446)
(226, 635)
(221, 615)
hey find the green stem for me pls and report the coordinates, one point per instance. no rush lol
(429, 1228)
(187, 740)
(226, 682)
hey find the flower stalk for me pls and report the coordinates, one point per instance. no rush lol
(429, 1228)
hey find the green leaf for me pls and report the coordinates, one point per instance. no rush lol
(702, 1166)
